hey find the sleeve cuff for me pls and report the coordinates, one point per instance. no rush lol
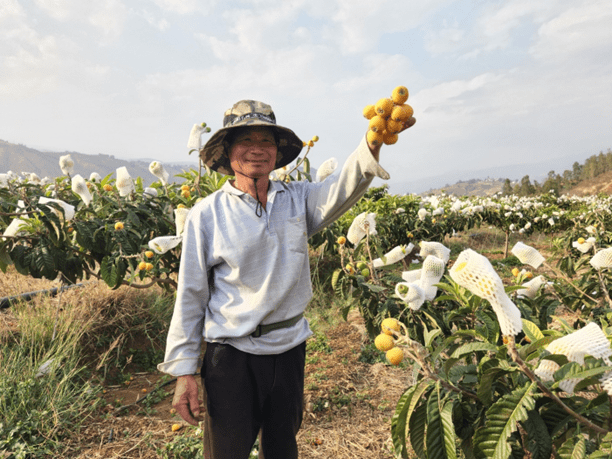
(368, 163)
(179, 367)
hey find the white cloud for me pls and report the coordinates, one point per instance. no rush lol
(444, 40)
(362, 22)
(108, 16)
(186, 6)
(579, 30)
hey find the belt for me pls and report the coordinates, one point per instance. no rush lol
(267, 328)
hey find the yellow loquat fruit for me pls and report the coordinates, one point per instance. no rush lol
(369, 112)
(399, 95)
(395, 356)
(384, 342)
(384, 107)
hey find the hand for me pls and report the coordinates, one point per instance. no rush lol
(406, 124)
(186, 402)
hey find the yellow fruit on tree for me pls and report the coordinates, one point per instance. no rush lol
(389, 325)
(142, 266)
(315, 138)
(394, 127)
(350, 269)
(390, 139)
(408, 109)
(399, 95)
(374, 138)
(311, 143)
(384, 342)
(395, 356)
(186, 194)
(529, 275)
(149, 254)
(148, 266)
(369, 112)
(384, 107)
(377, 124)
(581, 240)
(107, 187)
(341, 240)
(460, 266)
(515, 272)
(185, 188)
(118, 226)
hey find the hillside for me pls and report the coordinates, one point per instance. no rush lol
(473, 187)
(600, 184)
(20, 158)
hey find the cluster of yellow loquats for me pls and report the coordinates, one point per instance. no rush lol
(387, 117)
(385, 342)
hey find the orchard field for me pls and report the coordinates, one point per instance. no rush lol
(444, 327)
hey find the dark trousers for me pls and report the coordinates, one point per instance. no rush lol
(249, 394)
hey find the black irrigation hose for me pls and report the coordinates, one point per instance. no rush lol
(7, 301)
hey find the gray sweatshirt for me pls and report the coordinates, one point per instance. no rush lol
(238, 270)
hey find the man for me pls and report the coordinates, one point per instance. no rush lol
(244, 282)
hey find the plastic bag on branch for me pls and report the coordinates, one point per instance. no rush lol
(527, 255)
(393, 256)
(66, 164)
(79, 186)
(475, 273)
(124, 183)
(158, 171)
(531, 287)
(364, 223)
(411, 294)
(326, 169)
(585, 246)
(14, 228)
(162, 244)
(589, 340)
(180, 215)
(149, 193)
(431, 273)
(434, 248)
(95, 177)
(68, 208)
(412, 276)
(602, 259)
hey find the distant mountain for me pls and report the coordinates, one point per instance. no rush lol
(536, 172)
(19, 158)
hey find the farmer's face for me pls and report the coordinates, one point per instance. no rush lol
(253, 152)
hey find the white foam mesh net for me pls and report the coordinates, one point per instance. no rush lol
(180, 215)
(475, 273)
(69, 209)
(124, 182)
(527, 255)
(364, 223)
(585, 246)
(414, 297)
(589, 340)
(411, 276)
(434, 248)
(393, 256)
(326, 169)
(79, 186)
(157, 169)
(602, 259)
(531, 287)
(162, 244)
(431, 273)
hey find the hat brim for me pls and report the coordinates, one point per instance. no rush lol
(215, 156)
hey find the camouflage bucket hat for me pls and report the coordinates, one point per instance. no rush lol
(249, 113)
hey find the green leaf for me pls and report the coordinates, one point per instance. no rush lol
(5, 259)
(491, 440)
(574, 370)
(573, 448)
(532, 331)
(403, 413)
(417, 430)
(335, 277)
(473, 347)
(450, 439)
(437, 446)
(539, 442)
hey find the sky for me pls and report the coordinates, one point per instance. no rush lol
(492, 83)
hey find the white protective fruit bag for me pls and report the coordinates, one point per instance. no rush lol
(475, 273)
